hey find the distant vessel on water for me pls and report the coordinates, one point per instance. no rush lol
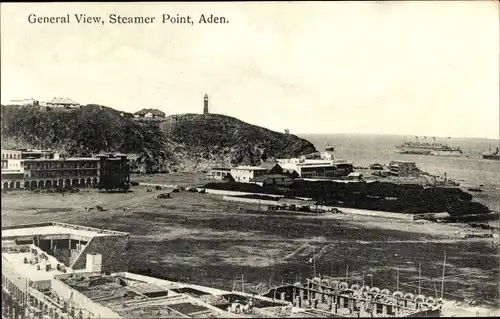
(424, 148)
(492, 155)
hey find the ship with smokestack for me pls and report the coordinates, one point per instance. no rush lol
(492, 155)
(425, 148)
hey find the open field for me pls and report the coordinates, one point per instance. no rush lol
(181, 179)
(201, 238)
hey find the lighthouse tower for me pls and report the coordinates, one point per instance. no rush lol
(205, 104)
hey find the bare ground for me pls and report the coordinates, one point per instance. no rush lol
(201, 238)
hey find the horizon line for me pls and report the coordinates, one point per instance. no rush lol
(397, 134)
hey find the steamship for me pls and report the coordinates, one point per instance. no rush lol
(492, 155)
(425, 148)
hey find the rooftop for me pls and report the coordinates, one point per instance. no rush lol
(61, 159)
(269, 165)
(135, 296)
(54, 228)
(62, 100)
(35, 269)
(24, 150)
(251, 168)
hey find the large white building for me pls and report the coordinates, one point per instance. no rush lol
(317, 168)
(318, 165)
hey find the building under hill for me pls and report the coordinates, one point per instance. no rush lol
(29, 169)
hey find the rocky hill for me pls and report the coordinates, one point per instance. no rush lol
(177, 143)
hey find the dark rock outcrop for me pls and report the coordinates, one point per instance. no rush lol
(184, 142)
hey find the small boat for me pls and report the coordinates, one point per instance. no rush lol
(492, 155)
(474, 189)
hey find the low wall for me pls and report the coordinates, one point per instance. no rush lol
(354, 211)
(373, 213)
(81, 301)
(236, 193)
(9, 271)
(155, 184)
(169, 284)
(250, 200)
(28, 225)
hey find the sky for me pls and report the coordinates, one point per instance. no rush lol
(426, 68)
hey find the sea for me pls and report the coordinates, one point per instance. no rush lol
(471, 170)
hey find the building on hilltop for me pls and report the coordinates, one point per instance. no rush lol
(149, 114)
(26, 102)
(126, 115)
(205, 104)
(62, 102)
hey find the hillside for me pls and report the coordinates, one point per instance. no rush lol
(177, 143)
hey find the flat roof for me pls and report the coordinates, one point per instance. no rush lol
(133, 296)
(16, 261)
(48, 230)
(24, 150)
(252, 168)
(225, 169)
(55, 228)
(60, 159)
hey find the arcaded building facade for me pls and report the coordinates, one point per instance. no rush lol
(53, 171)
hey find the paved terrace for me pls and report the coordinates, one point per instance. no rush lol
(13, 264)
(55, 228)
(134, 296)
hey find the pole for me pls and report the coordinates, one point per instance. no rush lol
(314, 262)
(397, 279)
(442, 279)
(242, 284)
(347, 274)
(419, 291)
(363, 275)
